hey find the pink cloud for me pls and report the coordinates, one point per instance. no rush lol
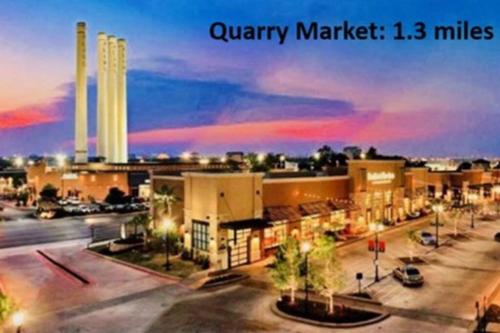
(29, 116)
(363, 128)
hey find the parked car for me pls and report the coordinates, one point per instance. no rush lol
(497, 237)
(426, 238)
(408, 275)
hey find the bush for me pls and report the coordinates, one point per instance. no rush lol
(6, 307)
(185, 254)
(202, 260)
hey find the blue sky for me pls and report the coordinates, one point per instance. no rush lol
(188, 92)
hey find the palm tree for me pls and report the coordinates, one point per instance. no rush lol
(144, 221)
(164, 198)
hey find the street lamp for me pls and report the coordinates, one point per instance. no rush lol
(167, 225)
(317, 156)
(376, 228)
(18, 320)
(472, 198)
(437, 208)
(19, 162)
(305, 248)
(261, 157)
(61, 160)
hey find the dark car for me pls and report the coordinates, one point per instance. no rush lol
(408, 275)
(497, 237)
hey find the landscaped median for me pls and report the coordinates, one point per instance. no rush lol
(151, 262)
(348, 312)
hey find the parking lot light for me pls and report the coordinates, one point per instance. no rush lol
(18, 320)
(438, 208)
(376, 227)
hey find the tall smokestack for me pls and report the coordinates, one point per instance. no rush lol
(102, 147)
(122, 102)
(81, 148)
(112, 100)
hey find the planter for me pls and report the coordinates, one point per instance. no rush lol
(124, 245)
(345, 317)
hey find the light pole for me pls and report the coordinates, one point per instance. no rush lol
(18, 320)
(437, 208)
(167, 225)
(305, 248)
(472, 198)
(376, 227)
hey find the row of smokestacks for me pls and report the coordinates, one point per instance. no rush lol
(111, 143)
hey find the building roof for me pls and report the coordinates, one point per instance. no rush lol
(316, 208)
(282, 213)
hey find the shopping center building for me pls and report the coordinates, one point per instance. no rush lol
(238, 218)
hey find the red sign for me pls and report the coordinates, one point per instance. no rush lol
(371, 245)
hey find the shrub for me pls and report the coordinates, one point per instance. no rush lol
(6, 307)
(185, 254)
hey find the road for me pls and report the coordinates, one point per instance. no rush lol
(18, 227)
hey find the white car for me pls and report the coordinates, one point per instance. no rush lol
(426, 238)
(408, 275)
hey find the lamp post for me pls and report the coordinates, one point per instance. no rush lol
(437, 208)
(18, 320)
(167, 225)
(376, 227)
(305, 248)
(472, 198)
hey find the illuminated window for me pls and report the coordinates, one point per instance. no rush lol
(275, 236)
(200, 235)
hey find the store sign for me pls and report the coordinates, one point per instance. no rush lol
(380, 177)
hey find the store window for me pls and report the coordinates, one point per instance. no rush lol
(275, 235)
(200, 235)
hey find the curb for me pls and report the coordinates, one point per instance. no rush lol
(223, 283)
(279, 313)
(63, 267)
(136, 267)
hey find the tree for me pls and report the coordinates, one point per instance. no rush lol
(143, 221)
(411, 241)
(115, 196)
(455, 214)
(286, 271)
(327, 275)
(165, 198)
(6, 307)
(49, 192)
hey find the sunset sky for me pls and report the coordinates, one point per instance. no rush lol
(189, 92)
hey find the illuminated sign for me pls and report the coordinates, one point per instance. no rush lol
(380, 177)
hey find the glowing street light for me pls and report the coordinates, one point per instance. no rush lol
(376, 228)
(305, 248)
(19, 162)
(362, 156)
(317, 156)
(472, 199)
(223, 159)
(167, 225)
(186, 155)
(204, 161)
(18, 320)
(261, 157)
(438, 208)
(61, 160)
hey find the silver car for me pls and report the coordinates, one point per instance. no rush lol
(408, 275)
(426, 238)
